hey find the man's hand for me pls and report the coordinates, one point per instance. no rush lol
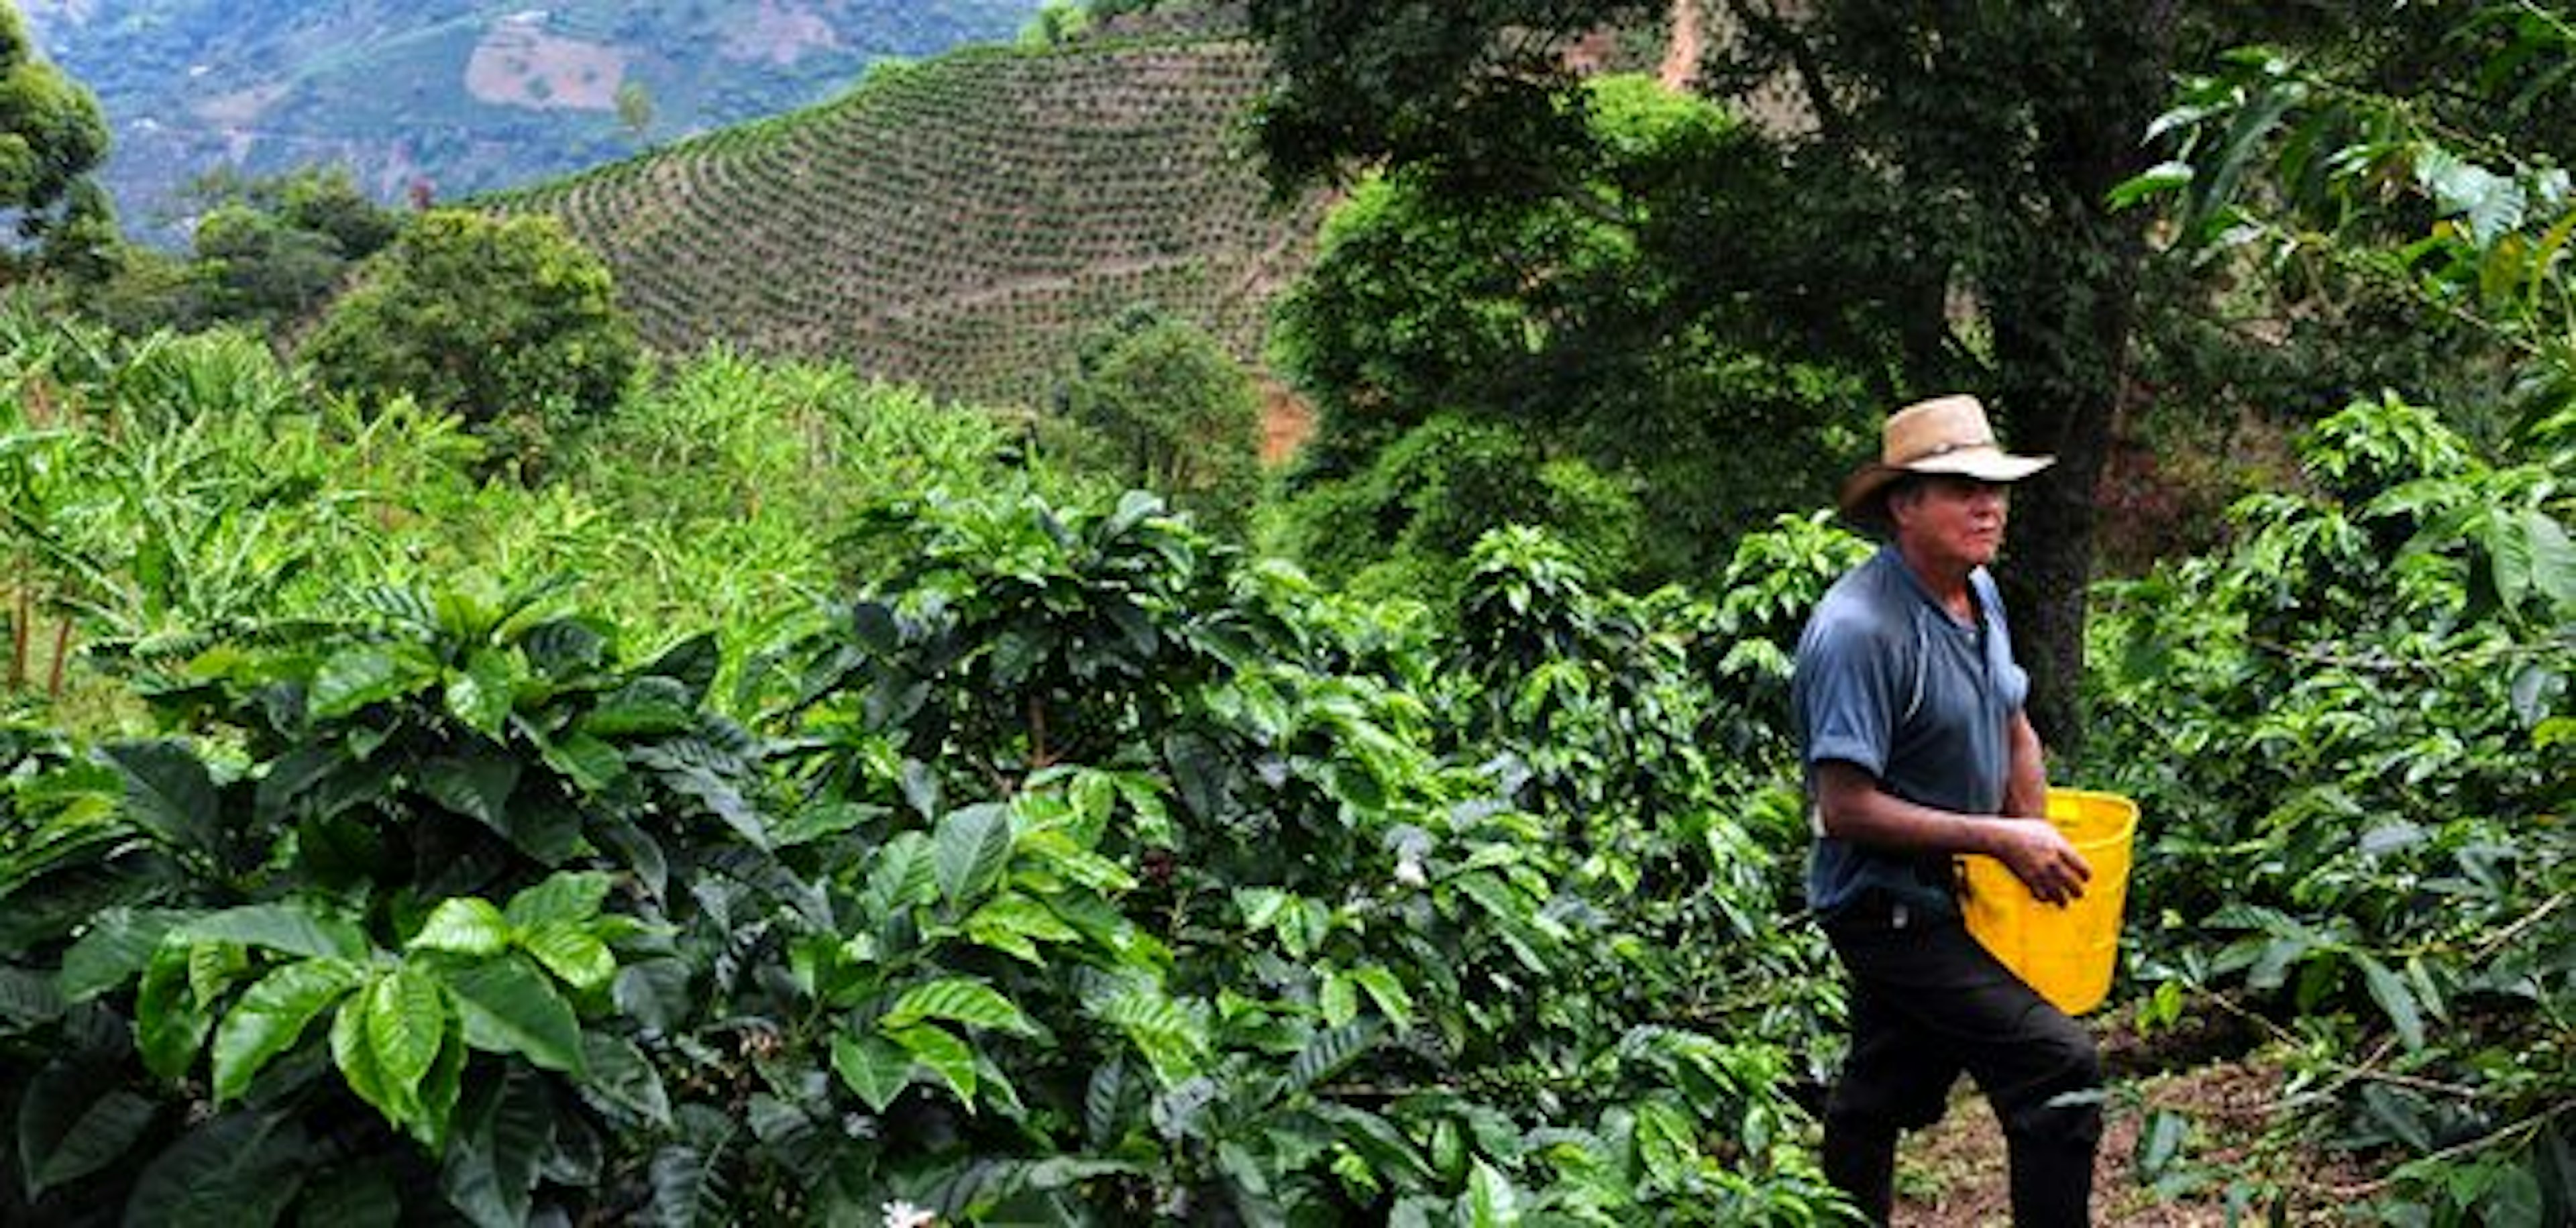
(2040, 856)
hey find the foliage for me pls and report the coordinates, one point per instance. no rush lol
(507, 323)
(1171, 412)
(1405, 525)
(51, 137)
(1594, 323)
(2309, 166)
(998, 924)
(455, 833)
(2351, 728)
(1933, 219)
(164, 490)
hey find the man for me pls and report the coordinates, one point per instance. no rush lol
(1916, 748)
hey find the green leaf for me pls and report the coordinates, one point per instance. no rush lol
(406, 1023)
(572, 953)
(234, 1171)
(272, 1016)
(1015, 924)
(2393, 997)
(1665, 1144)
(2515, 1198)
(564, 896)
(944, 1054)
(483, 694)
(476, 786)
(356, 1060)
(623, 1076)
(119, 943)
(874, 1067)
(2160, 1143)
(355, 677)
(971, 849)
(958, 1001)
(1388, 993)
(1329, 1051)
(645, 706)
(1340, 999)
(1492, 1202)
(168, 791)
(510, 1007)
(357, 1197)
(592, 765)
(169, 1026)
(289, 929)
(463, 926)
(2160, 179)
(504, 1132)
(73, 1122)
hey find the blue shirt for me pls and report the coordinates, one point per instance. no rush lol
(1892, 683)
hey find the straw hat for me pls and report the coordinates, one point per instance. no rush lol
(1943, 435)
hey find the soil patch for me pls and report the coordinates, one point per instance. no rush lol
(1954, 1175)
(518, 64)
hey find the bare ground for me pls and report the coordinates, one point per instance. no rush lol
(1954, 1175)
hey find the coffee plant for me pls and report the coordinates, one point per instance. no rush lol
(2351, 729)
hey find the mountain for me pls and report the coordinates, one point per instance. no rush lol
(457, 97)
(958, 222)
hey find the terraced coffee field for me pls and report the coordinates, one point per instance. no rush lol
(956, 223)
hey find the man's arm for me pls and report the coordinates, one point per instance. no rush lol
(1853, 807)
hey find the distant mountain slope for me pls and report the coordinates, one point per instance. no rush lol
(957, 222)
(464, 95)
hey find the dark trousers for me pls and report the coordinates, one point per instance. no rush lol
(1928, 1002)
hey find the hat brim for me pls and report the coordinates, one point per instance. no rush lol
(1859, 499)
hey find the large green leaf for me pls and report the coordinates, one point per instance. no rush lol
(943, 1053)
(169, 1025)
(874, 1067)
(406, 1023)
(119, 943)
(2393, 997)
(272, 1016)
(505, 1129)
(483, 694)
(355, 677)
(168, 791)
(289, 929)
(1491, 1200)
(957, 1000)
(572, 954)
(510, 1007)
(463, 926)
(239, 1170)
(563, 896)
(73, 1122)
(477, 786)
(972, 847)
(621, 1075)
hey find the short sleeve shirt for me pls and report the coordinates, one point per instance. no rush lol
(1892, 683)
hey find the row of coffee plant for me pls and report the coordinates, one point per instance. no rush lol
(1079, 871)
(957, 222)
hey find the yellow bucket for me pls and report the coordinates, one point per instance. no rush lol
(2066, 952)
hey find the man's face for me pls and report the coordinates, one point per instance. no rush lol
(1952, 520)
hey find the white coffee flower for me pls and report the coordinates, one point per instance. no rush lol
(901, 1214)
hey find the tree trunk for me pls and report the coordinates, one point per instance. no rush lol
(2062, 315)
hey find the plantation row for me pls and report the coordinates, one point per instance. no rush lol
(940, 206)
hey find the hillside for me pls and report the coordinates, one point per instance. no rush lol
(460, 95)
(956, 222)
